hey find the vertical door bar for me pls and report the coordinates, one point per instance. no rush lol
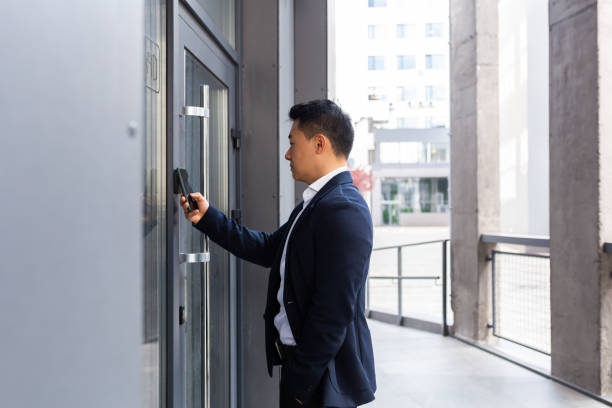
(205, 170)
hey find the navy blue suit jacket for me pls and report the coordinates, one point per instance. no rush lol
(327, 261)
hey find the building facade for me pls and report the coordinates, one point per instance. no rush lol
(410, 175)
(391, 64)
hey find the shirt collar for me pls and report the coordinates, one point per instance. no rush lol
(317, 185)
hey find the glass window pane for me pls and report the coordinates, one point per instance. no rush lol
(223, 13)
(389, 152)
(208, 322)
(411, 152)
(376, 63)
(434, 29)
(434, 61)
(408, 122)
(406, 62)
(377, 3)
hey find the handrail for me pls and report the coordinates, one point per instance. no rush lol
(607, 247)
(399, 318)
(527, 240)
(410, 244)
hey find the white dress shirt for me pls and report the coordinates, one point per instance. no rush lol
(280, 320)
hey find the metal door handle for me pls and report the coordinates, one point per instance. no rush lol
(198, 111)
(198, 257)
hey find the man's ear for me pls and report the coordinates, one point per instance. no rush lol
(320, 142)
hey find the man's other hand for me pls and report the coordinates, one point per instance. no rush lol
(196, 215)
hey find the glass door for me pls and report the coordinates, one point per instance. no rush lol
(202, 271)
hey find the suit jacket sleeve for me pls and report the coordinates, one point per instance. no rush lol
(343, 243)
(253, 246)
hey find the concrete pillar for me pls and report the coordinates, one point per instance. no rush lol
(581, 192)
(474, 160)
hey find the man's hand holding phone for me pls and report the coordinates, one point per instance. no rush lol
(196, 215)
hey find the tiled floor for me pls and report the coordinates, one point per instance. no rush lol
(416, 369)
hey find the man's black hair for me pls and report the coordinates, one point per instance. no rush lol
(324, 116)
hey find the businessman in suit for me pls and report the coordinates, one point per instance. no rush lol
(315, 324)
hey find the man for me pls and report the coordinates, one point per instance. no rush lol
(314, 320)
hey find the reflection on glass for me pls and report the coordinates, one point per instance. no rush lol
(223, 14)
(207, 285)
(154, 202)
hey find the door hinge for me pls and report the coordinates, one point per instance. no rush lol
(235, 134)
(236, 215)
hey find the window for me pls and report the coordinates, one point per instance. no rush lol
(376, 63)
(377, 3)
(376, 31)
(407, 122)
(389, 152)
(404, 30)
(406, 62)
(434, 29)
(411, 152)
(371, 32)
(435, 61)
(376, 94)
(405, 93)
(438, 152)
(435, 93)
(435, 122)
(413, 195)
(402, 152)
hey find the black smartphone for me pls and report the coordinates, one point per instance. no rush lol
(185, 189)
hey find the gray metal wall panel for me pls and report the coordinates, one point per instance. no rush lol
(70, 253)
(286, 100)
(260, 152)
(311, 68)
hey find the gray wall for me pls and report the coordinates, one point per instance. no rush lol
(70, 249)
(311, 57)
(260, 179)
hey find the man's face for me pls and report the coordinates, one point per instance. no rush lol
(301, 154)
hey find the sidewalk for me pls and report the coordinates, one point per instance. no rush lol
(417, 369)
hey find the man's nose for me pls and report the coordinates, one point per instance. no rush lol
(287, 156)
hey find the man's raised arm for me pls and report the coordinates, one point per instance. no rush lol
(253, 246)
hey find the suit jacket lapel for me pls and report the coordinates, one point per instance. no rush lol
(342, 178)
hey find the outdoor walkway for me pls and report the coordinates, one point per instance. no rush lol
(417, 369)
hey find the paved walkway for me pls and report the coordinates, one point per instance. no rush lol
(417, 369)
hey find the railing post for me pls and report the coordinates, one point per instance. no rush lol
(493, 290)
(399, 285)
(444, 290)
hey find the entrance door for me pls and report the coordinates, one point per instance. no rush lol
(202, 273)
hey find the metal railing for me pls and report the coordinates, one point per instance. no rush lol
(439, 277)
(520, 292)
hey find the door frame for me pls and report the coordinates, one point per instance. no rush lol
(186, 28)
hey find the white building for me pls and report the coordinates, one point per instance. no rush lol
(391, 66)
